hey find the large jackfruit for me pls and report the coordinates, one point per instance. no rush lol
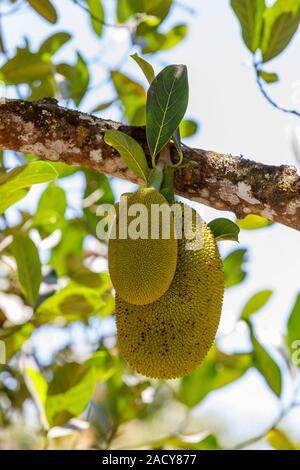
(170, 337)
(142, 270)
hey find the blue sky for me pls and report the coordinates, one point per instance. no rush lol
(235, 119)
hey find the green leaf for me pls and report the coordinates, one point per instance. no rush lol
(132, 96)
(156, 41)
(27, 175)
(124, 10)
(250, 15)
(52, 44)
(97, 191)
(97, 15)
(176, 138)
(224, 229)
(29, 266)
(266, 365)
(279, 440)
(15, 341)
(71, 244)
(63, 169)
(130, 150)
(256, 302)
(253, 222)
(80, 274)
(216, 371)
(77, 79)
(102, 106)
(26, 67)
(38, 387)
(9, 199)
(155, 8)
(45, 9)
(281, 22)
(268, 77)
(233, 267)
(188, 128)
(293, 326)
(46, 87)
(74, 302)
(167, 101)
(51, 209)
(14, 184)
(70, 389)
(145, 66)
(174, 36)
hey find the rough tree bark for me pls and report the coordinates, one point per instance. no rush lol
(221, 181)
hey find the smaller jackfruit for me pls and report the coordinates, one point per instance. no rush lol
(170, 337)
(142, 269)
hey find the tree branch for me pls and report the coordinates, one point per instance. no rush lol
(221, 181)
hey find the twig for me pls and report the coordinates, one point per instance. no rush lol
(268, 98)
(100, 20)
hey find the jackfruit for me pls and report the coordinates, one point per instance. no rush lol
(170, 337)
(142, 270)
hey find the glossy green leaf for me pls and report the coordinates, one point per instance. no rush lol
(29, 266)
(233, 267)
(45, 9)
(96, 14)
(53, 43)
(224, 229)
(130, 150)
(281, 22)
(293, 327)
(188, 128)
(250, 15)
(268, 77)
(145, 66)
(255, 303)
(253, 222)
(167, 101)
(216, 371)
(266, 365)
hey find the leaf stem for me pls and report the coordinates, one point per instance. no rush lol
(156, 176)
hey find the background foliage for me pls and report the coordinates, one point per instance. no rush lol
(53, 268)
